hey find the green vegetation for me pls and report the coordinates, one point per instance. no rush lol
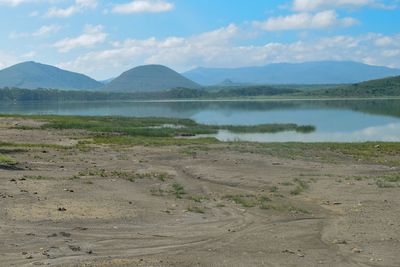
(375, 152)
(249, 201)
(35, 177)
(301, 186)
(286, 208)
(375, 88)
(7, 160)
(195, 208)
(17, 94)
(130, 176)
(267, 128)
(388, 181)
(118, 128)
(178, 190)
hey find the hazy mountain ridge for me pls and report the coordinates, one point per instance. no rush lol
(32, 75)
(321, 72)
(156, 78)
(149, 78)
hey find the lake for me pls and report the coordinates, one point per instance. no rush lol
(335, 120)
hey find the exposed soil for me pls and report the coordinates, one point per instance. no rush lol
(105, 205)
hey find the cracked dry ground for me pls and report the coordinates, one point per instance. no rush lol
(190, 206)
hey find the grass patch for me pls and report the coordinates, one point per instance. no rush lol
(178, 190)
(274, 189)
(93, 172)
(267, 128)
(301, 186)
(36, 177)
(152, 141)
(386, 153)
(152, 126)
(198, 199)
(157, 192)
(388, 181)
(7, 160)
(285, 208)
(195, 209)
(249, 201)
(161, 176)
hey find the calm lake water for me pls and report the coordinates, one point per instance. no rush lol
(335, 120)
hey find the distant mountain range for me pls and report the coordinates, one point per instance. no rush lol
(149, 78)
(153, 78)
(32, 75)
(322, 72)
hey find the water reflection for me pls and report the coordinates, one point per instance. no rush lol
(387, 133)
(343, 120)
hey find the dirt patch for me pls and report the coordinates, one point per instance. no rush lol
(161, 206)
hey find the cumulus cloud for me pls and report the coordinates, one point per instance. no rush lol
(311, 5)
(14, 3)
(304, 21)
(45, 30)
(143, 6)
(6, 59)
(91, 36)
(219, 48)
(78, 6)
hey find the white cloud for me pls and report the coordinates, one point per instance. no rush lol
(303, 21)
(79, 6)
(91, 36)
(46, 30)
(384, 41)
(15, 3)
(143, 6)
(310, 5)
(12, 2)
(29, 55)
(6, 59)
(219, 49)
(42, 31)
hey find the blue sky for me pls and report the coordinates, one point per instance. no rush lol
(104, 38)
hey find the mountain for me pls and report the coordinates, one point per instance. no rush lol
(149, 78)
(32, 75)
(321, 72)
(375, 88)
(107, 81)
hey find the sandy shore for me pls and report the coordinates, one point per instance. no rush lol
(214, 205)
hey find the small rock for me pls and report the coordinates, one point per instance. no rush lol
(339, 242)
(356, 250)
(62, 209)
(288, 251)
(64, 234)
(75, 248)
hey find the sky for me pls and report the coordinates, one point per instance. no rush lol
(104, 38)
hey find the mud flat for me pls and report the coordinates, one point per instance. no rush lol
(82, 198)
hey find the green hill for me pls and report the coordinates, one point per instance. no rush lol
(149, 78)
(32, 75)
(382, 87)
